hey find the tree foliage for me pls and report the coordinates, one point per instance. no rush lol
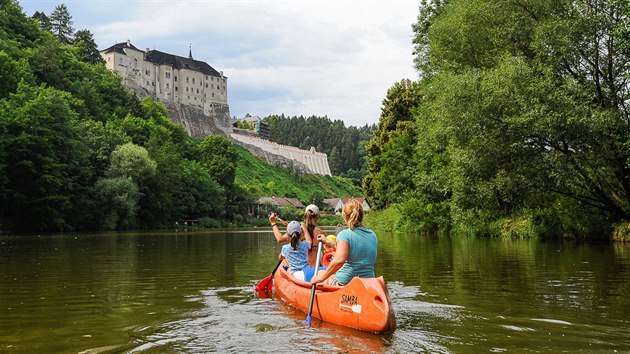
(61, 24)
(391, 150)
(79, 152)
(86, 48)
(345, 146)
(46, 166)
(524, 111)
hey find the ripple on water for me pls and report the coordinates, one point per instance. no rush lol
(235, 320)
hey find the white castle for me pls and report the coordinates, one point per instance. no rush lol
(193, 83)
(169, 77)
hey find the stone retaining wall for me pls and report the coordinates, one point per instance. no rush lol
(276, 154)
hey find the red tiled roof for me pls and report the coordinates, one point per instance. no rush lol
(281, 201)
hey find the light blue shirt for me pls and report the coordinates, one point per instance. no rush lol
(297, 258)
(362, 256)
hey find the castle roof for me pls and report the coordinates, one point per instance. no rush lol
(160, 58)
(177, 62)
(119, 48)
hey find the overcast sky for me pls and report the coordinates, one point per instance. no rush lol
(334, 58)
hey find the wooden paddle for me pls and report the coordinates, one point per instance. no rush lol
(310, 304)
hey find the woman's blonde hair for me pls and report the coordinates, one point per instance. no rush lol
(352, 213)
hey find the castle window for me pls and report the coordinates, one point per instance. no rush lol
(168, 75)
(213, 95)
(193, 80)
(135, 61)
(186, 88)
(148, 83)
(187, 79)
(206, 77)
(175, 88)
(206, 85)
(197, 90)
(120, 60)
(175, 78)
(167, 85)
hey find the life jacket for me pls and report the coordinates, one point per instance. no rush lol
(328, 256)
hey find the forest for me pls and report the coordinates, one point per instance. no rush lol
(345, 146)
(518, 124)
(79, 152)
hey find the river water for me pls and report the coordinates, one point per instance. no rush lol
(192, 292)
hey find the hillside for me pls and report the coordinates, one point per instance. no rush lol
(80, 152)
(261, 179)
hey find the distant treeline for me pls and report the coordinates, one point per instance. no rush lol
(345, 146)
(79, 152)
(518, 126)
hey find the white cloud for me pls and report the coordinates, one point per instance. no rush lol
(333, 58)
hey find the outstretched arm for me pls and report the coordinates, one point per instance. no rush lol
(280, 237)
(341, 255)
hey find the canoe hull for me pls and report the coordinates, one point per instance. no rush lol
(362, 304)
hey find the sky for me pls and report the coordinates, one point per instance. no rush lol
(334, 58)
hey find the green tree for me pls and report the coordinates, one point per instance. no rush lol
(49, 62)
(429, 12)
(391, 150)
(524, 108)
(218, 156)
(46, 165)
(133, 161)
(86, 48)
(16, 31)
(117, 203)
(344, 146)
(12, 72)
(61, 24)
(100, 140)
(43, 20)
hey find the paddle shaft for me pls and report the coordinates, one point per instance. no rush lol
(310, 304)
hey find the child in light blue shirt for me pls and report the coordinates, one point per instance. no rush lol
(296, 253)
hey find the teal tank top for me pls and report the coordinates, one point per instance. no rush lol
(362, 256)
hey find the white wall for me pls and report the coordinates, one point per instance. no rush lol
(317, 162)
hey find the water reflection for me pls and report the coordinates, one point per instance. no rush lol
(190, 292)
(235, 320)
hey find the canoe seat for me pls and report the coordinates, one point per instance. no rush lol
(310, 271)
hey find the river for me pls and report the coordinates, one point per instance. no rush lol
(191, 291)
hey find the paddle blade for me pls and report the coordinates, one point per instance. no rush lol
(307, 321)
(269, 284)
(265, 284)
(263, 294)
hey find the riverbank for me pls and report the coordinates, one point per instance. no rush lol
(526, 225)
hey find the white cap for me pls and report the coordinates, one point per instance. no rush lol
(313, 208)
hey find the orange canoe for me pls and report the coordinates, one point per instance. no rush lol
(362, 304)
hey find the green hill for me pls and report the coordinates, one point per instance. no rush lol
(260, 179)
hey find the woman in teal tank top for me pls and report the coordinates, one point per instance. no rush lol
(356, 250)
